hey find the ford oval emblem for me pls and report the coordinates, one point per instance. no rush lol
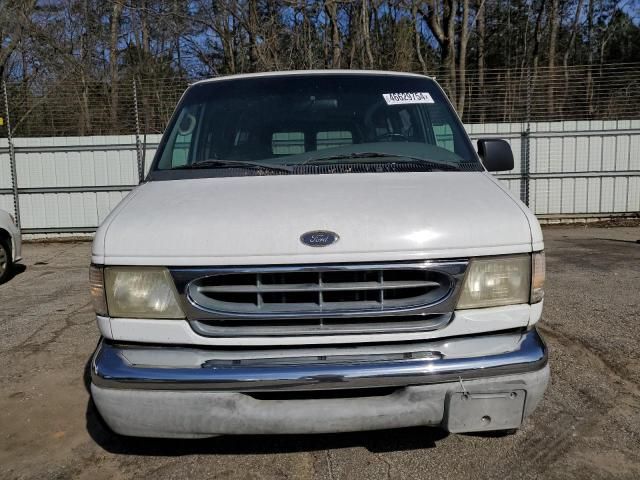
(319, 238)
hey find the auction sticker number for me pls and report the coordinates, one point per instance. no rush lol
(406, 98)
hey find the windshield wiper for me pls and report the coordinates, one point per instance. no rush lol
(379, 155)
(215, 163)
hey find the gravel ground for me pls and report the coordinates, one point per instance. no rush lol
(588, 425)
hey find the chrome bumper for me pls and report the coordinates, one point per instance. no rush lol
(467, 384)
(136, 367)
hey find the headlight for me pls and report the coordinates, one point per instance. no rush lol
(495, 281)
(136, 293)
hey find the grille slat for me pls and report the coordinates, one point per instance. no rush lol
(328, 299)
(319, 287)
(321, 291)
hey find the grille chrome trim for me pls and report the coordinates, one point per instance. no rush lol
(395, 324)
(323, 317)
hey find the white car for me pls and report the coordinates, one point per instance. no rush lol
(10, 245)
(313, 252)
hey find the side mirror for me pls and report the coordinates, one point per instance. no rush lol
(496, 154)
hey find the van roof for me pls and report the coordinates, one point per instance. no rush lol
(310, 72)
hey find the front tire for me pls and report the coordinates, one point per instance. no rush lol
(6, 262)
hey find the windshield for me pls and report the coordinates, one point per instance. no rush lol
(301, 120)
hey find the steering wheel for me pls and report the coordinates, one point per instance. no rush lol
(393, 137)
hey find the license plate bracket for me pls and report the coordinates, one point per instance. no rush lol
(485, 411)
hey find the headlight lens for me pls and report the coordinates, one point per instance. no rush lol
(491, 282)
(141, 293)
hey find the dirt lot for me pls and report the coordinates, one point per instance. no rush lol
(588, 426)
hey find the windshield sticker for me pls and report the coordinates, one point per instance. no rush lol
(406, 98)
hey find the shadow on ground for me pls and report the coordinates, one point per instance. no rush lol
(374, 441)
(17, 269)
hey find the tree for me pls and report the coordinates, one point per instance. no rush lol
(89, 52)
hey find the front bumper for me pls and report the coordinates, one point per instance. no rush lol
(485, 382)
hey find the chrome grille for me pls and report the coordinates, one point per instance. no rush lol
(318, 292)
(320, 299)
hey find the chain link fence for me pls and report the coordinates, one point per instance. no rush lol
(583, 92)
(553, 117)
(72, 107)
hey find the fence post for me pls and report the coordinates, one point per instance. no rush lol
(525, 146)
(12, 157)
(524, 162)
(138, 143)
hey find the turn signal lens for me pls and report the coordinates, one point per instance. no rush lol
(538, 273)
(96, 289)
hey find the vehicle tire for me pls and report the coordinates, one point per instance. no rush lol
(6, 263)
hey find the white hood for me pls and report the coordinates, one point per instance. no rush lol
(259, 220)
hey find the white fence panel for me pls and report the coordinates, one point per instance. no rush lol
(577, 168)
(71, 183)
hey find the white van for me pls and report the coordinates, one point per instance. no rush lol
(10, 245)
(318, 251)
